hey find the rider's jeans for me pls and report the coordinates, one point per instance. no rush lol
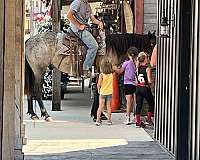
(92, 46)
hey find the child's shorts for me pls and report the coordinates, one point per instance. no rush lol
(106, 97)
(129, 89)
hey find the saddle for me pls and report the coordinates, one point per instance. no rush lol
(71, 39)
(69, 58)
(71, 36)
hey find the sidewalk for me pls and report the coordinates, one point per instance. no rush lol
(73, 135)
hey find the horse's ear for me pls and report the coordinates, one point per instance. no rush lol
(154, 32)
(149, 35)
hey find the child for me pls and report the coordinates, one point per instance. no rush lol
(143, 89)
(95, 104)
(105, 88)
(129, 69)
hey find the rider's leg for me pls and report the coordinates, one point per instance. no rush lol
(92, 45)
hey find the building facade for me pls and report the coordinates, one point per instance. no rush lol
(177, 86)
(150, 15)
(34, 10)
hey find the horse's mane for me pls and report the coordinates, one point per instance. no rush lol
(121, 42)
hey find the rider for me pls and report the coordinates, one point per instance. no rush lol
(78, 15)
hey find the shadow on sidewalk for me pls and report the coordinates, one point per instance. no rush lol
(133, 150)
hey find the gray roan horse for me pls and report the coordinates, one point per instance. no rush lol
(44, 50)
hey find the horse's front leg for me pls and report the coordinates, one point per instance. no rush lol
(30, 108)
(38, 91)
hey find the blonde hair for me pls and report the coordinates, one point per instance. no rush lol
(142, 56)
(106, 66)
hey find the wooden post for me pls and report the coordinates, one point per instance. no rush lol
(56, 101)
(1, 71)
(19, 79)
(11, 84)
(139, 16)
(9, 80)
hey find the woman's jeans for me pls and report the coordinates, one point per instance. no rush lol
(92, 46)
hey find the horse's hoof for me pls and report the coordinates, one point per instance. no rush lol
(34, 117)
(49, 119)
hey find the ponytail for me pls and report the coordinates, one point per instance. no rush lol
(141, 57)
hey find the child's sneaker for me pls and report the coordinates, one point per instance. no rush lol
(139, 125)
(149, 122)
(97, 123)
(109, 123)
(128, 121)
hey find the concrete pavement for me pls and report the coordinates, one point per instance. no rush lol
(74, 136)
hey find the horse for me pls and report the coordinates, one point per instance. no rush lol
(63, 52)
(116, 47)
(50, 49)
(118, 44)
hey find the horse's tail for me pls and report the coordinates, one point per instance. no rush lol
(29, 79)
